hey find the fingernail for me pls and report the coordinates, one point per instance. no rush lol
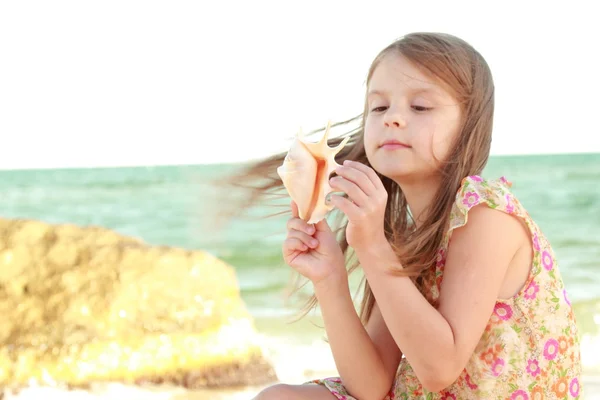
(311, 229)
(346, 162)
(313, 243)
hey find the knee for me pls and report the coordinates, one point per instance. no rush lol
(275, 392)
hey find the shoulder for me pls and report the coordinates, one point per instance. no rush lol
(489, 229)
(486, 222)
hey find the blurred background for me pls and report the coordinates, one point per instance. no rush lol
(120, 113)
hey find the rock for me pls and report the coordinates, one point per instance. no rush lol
(85, 304)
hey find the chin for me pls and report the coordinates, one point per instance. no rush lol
(395, 172)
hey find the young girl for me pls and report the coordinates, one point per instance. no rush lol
(463, 298)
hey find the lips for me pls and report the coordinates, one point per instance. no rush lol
(394, 144)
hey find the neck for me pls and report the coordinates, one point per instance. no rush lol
(419, 196)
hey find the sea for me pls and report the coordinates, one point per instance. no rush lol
(178, 205)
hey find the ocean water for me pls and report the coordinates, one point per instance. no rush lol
(176, 206)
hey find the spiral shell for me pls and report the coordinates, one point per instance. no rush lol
(305, 174)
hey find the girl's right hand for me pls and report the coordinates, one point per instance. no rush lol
(312, 250)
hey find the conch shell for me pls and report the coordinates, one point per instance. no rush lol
(305, 174)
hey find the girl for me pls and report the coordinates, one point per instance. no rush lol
(463, 298)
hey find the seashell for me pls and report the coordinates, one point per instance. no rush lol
(305, 174)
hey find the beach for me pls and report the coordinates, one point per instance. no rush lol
(174, 206)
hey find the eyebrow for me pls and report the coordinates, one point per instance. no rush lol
(414, 91)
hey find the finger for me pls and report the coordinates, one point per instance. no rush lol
(304, 238)
(292, 244)
(371, 174)
(350, 188)
(359, 177)
(300, 225)
(322, 226)
(294, 207)
(351, 210)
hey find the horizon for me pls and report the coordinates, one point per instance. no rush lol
(246, 162)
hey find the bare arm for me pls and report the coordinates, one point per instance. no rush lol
(358, 351)
(478, 259)
(384, 342)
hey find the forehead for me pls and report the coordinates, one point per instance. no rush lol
(396, 73)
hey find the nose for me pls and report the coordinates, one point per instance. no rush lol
(393, 118)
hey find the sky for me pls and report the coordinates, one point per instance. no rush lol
(123, 83)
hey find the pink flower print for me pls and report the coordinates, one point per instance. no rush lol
(477, 178)
(532, 290)
(566, 297)
(498, 367)
(448, 396)
(470, 384)
(547, 260)
(510, 208)
(471, 199)
(533, 367)
(536, 242)
(336, 380)
(551, 349)
(505, 181)
(441, 258)
(574, 387)
(338, 395)
(520, 395)
(503, 311)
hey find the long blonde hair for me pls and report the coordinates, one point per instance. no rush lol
(464, 71)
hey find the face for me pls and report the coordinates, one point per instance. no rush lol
(407, 107)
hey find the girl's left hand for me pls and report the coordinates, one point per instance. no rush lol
(365, 206)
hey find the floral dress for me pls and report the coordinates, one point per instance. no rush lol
(530, 346)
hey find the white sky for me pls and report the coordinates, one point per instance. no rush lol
(117, 83)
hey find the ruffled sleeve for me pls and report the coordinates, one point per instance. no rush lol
(474, 190)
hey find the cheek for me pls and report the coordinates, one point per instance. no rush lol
(426, 142)
(441, 144)
(369, 138)
(443, 138)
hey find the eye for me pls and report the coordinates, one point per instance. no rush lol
(421, 108)
(378, 109)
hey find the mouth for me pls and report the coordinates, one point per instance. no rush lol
(394, 144)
